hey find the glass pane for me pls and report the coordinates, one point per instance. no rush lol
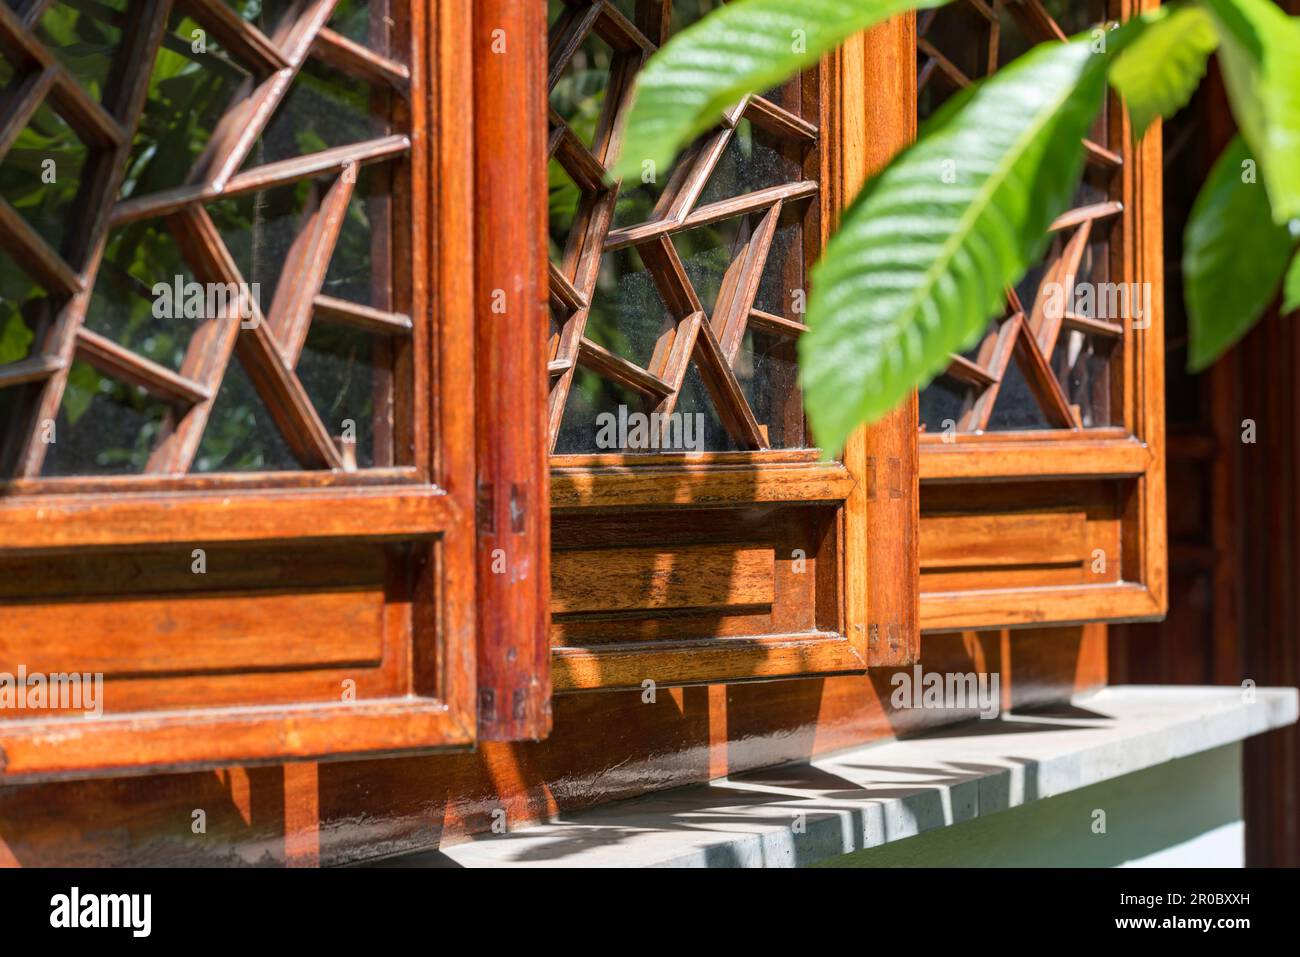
(641, 273)
(957, 46)
(197, 254)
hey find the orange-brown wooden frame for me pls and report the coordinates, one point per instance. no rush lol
(433, 502)
(1133, 452)
(866, 115)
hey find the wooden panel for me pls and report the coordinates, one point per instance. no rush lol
(963, 541)
(604, 747)
(627, 579)
(729, 594)
(197, 633)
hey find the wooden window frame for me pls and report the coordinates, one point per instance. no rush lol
(1130, 457)
(873, 486)
(431, 502)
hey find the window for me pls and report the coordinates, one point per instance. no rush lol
(236, 380)
(697, 535)
(1042, 446)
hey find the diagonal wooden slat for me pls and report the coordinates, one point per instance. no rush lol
(776, 325)
(30, 250)
(305, 266)
(241, 39)
(728, 397)
(121, 363)
(616, 368)
(367, 318)
(566, 36)
(347, 56)
(266, 176)
(31, 369)
(740, 284)
(21, 105)
(123, 101)
(713, 213)
(1043, 383)
(254, 103)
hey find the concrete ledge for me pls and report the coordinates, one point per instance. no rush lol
(806, 813)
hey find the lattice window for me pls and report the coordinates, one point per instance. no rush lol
(1065, 346)
(682, 292)
(186, 184)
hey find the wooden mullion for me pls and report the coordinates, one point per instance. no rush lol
(740, 285)
(1036, 23)
(620, 32)
(691, 175)
(779, 121)
(679, 346)
(130, 367)
(669, 274)
(32, 369)
(1043, 383)
(996, 356)
(1100, 156)
(254, 103)
(22, 104)
(775, 325)
(240, 38)
(367, 318)
(566, 36)
(307, 263)
(124, 95)
(1046, 328)
(712, 213)
(347, 56)
(35, 255)
(562, 292)
(963, 370)
(600, 360)
(728, 397)
(1094, 327)
(571, 153)
(946, 66)
(285, 399)
(210, 347)
(1083, 214)
(91, 121)
(268, 176)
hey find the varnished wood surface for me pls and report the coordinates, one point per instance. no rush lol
(604, 747)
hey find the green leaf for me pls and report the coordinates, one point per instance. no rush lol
(1291, 287)
(745, 47)
(1233, 257)
(1159, 71)
(1260, 54)
(15, 338)
(923, 255)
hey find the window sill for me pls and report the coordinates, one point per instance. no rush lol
(884, 792)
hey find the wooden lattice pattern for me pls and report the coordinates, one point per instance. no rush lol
(269, 346)
(1030, 336)
(712, 343)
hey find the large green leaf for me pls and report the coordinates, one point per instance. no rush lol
(922, 257)
(745, 47)
(1233, 257)
(1159, 71)
(1260, 53)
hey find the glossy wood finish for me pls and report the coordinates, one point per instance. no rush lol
(604, 747)
(360, 661)
(1116, 473)
(861, 600)
(512, 491)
